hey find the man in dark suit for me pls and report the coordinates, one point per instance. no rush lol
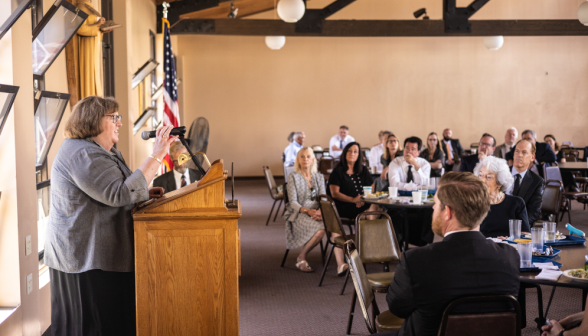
(465, 263)
(453, 150)
(509, 142)
(528, 185)
(543, 153)
(181, 175)
(486, 147)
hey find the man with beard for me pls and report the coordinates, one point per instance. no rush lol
(453, 150)
(465, 263)
(181, 175)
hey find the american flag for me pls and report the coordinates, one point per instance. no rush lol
(171, 112)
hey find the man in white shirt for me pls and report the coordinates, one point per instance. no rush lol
(377, 151)
(409, 167)
(181, 175)
(293, 148)
(339, 141)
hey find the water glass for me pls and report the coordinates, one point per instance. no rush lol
(374, 169)
(393, 191)
(537, 235)
(526, 253)
(514, 226)
(416, 197)
(549, 228)
(424, 188)
(367, 190)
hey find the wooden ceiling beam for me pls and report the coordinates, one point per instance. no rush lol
(375, 28)
(246, 8)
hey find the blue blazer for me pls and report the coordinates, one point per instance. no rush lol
(468, 163)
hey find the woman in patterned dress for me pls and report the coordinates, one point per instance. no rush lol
(304, 225)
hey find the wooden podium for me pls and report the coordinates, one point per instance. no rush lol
(187, 261)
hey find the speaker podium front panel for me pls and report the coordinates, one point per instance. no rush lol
(187, 261)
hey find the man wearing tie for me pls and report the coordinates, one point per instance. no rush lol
(339, 141)
(181, 175)
(409, 167)
(528, 185)
(509, 142)
(453, 150)
(543, 153)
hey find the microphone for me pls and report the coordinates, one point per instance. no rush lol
(146, 135)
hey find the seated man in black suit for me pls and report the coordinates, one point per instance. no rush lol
(486, 148)
(452, 148)
(465, 263)
(543, 153)
(181, 175)
(528, 185)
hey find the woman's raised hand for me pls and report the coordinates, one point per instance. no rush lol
(163, 141)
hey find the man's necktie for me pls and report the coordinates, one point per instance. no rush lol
(449, 153)
(183, 181)
(517, 185)
(409, 177)
(341, 144)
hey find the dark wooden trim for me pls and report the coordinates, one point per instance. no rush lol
(382, 28)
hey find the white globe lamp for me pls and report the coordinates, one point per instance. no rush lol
(583, 13)
(275, 42)
(493, 42)
(291, 10)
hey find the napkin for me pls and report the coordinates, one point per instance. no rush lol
(548, 274)
(411, 186)
(546, 266)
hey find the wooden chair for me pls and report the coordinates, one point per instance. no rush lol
(381, 322)
(326, 165)
(376, 243)
(274, 193)
(482, 316)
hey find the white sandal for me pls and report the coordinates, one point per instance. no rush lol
(304, 263)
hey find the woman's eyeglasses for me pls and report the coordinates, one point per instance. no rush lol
(115, 117)
(312, 194)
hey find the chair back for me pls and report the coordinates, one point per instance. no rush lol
(271, 182)
(365, 151)
(376, 239)
(572, 156)
(286, 198)
(551, 198)
(331, 217)
(475, 145)
(567, 144)
(316, 149)
(326, 165)
(287, 171)
(552, 173)
(360, 282)
(497, 315)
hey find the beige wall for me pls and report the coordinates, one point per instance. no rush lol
(254, 97)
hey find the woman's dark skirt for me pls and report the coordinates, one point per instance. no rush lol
(92, 303)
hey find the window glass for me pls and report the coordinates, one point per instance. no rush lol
(7, 95)
(43, 203)
(50, 108)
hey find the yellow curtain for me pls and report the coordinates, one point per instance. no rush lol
(89, 53)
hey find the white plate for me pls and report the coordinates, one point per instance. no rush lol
(567, 274)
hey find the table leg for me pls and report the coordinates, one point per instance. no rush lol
(523, 304)
(584, 294)
(405, 233)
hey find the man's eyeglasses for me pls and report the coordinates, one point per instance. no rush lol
(115, 117)
(485, 144)
(312, 194)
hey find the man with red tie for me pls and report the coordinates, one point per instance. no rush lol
(181, 175)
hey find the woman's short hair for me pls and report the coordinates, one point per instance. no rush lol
(85, 120)
(557, 147)
(313, 168)
(498, 167)
(358, 166)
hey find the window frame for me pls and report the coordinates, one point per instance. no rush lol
(14, 16)
(54, 95)
(10, 89)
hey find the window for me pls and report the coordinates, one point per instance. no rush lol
(7, 95)
(18, 7)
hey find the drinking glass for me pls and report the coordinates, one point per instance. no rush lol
(367, 190)
(424, 188)
(514, 226)
(416, 197)
(526, 253)
(393, 192)
(537, 238)
(549, 228)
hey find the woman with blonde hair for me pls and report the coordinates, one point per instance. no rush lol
(304, 225)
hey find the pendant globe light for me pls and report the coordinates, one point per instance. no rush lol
(493, 42)
(275, 42)
(291, 10)
(583, 13)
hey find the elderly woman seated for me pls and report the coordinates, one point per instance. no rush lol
(495, 173)
(304, 226)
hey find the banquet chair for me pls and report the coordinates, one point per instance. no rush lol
(376, 243)
(381, 322)
(333, 224)
(276, 195)
(551, 200)
(496, 315)
(553, 176)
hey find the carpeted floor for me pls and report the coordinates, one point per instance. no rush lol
(285, 301)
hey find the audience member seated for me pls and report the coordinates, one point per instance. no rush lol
(543, 153)
(347, 181)
(304, 225)
(453, 150)
(391, 151)
(377, 151)
(409, 167)
(550, 140)
(509, 142)
(528, 185)
(434, 155)
(339, 141)
(495, 173)
(486, 147)
(573, 325)
(465, 263)
(293, 148)
(181, 175)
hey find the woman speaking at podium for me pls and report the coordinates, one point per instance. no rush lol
(89, 246)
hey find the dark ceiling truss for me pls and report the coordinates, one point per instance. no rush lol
(178, 8)
(456, 19)
(312, 21)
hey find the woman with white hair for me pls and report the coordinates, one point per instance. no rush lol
(304, 225)
(498, 178)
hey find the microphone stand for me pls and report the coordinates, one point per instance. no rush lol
(198, 165)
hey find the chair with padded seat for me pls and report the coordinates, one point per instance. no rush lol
(376, 243)
(551, 200)
(333, 224)
(277, 196)
(489, 315)
(380, 322)
(552, 175)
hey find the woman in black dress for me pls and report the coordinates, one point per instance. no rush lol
(434, 155)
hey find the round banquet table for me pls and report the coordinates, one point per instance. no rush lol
(577, 166)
